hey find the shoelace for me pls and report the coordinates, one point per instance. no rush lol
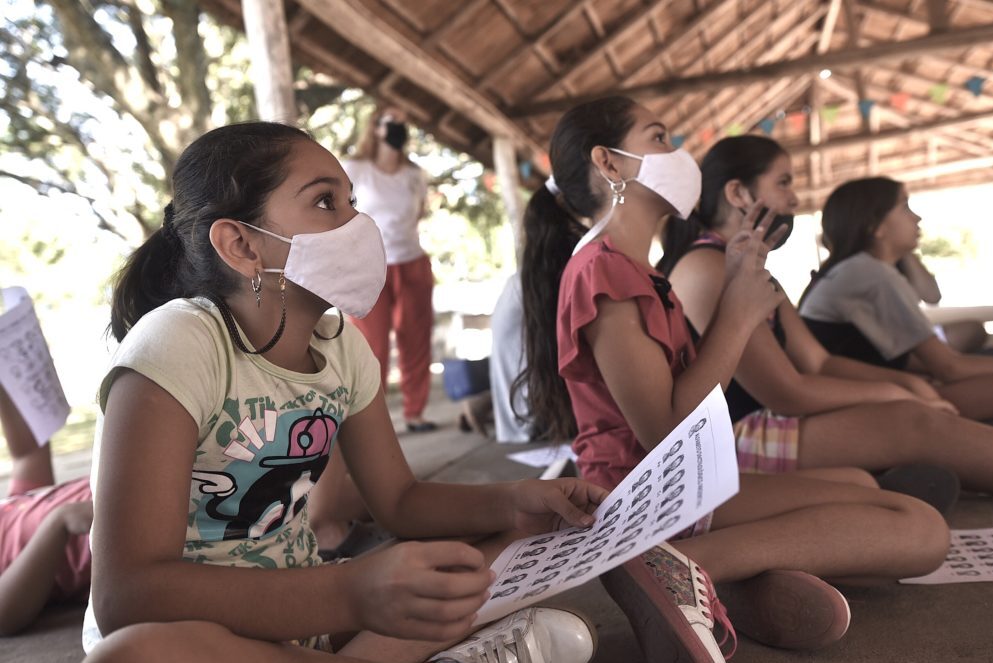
(707, 597)
(495, 651)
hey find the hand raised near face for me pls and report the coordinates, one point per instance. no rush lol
(751, 293)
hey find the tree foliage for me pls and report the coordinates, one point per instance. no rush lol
(98, 98)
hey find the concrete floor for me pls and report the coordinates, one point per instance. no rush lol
(909, 624)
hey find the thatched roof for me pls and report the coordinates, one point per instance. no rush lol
(898, 101)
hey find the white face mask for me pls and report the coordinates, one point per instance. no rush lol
(345, 266)
(673, 175)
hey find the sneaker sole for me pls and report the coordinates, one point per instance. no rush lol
(662, 630)
(787, 609)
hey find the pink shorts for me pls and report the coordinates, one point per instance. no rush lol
(22, 513)
(767, 443)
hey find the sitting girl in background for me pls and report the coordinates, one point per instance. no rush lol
(609, 355)
(225, 397)
(796, 405)
(44, 547)
(869, 229)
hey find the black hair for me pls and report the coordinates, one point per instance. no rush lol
(229, 172)
(742, 158)
(851, 215)
(551, 232)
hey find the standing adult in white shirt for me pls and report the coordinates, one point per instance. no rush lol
(392, 190)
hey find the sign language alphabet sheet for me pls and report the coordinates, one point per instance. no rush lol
(969, 559)
(685, 477)
(27, 372)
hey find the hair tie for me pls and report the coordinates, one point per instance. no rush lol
(552, 187)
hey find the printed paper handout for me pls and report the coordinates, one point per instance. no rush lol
(26, 369)
(689, 474)
(970, 559)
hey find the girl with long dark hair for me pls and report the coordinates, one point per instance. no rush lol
(226, 396)
(610, 361)
(860, 304)
(795, 405)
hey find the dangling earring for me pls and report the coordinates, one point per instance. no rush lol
(257, 288)
(617, 188)
(233, 328)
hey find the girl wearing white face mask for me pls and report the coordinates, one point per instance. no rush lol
(623, 372)
(227, 394)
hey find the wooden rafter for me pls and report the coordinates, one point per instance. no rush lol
(897, 134)
(951, 40)
(353, 18)
(783, 44)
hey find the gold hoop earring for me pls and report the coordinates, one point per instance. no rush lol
(257, 288)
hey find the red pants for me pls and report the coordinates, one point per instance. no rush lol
(405, 307)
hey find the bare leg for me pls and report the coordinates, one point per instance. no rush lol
(196, 642)
(882, 435)
(965, 335)
(826, 528)
(971, 396)
(204, 641)
(32, 463)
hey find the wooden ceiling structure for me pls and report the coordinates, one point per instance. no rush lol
(909, 95)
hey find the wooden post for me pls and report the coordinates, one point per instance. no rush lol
(505, 164)
(269, 49)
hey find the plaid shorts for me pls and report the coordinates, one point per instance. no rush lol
(767, 443)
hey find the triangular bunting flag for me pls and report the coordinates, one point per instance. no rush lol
(975, 85)
(938, 93)
(797, 120)
(678, 140)
(735, 129)
(898, 100)
(767, 125)
(525, 169)
(830, 113)
(706, 134)
(865, 107)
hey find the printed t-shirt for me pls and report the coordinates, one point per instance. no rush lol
(876, 298)
(20, 516)
(606, 446)
(264, 433)
(394, 201)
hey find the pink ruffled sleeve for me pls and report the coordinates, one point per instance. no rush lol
(599, 271)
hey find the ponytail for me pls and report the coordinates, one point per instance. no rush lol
(551, 233)
(146, 281)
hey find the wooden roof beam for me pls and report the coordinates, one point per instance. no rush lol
(352, 19)
(911, 131)
(882, 52)
(515, 60)
(783, 44)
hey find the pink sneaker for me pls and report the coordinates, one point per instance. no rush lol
(788, 609)
(672, 606)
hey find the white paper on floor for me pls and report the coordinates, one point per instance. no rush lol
(689, 474)
(26, 369)
(970, 559)
(543, 457)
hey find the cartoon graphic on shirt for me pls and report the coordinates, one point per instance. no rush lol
(266, 483)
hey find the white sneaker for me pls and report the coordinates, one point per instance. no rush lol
(532, 635)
